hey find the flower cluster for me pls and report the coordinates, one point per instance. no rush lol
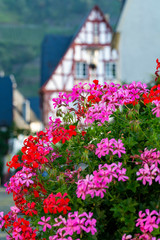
(111, 147)
(56, 203)
(32, 156)
(75, 223)
(22, 178)
(19, 227)
(24, 183)
(63, 134)
(157, 69)
(96, 184)
(30, 209)
(152, 95)
(104, 100)
(148, 174)
(13, 163)
(151, 156)
(147, 222)
(113, 97)
(149, 160)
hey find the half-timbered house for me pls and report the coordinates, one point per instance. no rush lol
(67, 60)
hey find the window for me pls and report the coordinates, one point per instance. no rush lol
(96, 29)
(110, 70)
(81, 70)
(95, 32)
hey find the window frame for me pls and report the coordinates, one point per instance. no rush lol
(112, 70)
(95, 32)
(96, 28)
(80, 75)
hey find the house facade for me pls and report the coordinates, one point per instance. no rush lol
(84, 57)
(137, 40)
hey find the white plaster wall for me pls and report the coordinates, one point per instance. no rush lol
(102, 27)
(114, 54)
(84, 54)
(99, 16)
(89, 38)
(92, 15)
(109, 37)
(100, 79)
(89, 27)
(81, 37)
(69, 84)
(100, 69)
(67, 64)
(54, 95)
(107, 53)
(100, 55)
(50, 85)
(69, 54)
(59, 69)
(59, 81)
(102, 38)
(139, 45)
(77, 53)
(78, 40)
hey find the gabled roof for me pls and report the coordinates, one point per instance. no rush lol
(6, 98)
(120, 13)
(53, 49)
(123, 2)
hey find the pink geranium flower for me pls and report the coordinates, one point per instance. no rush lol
(126, 237)
(118, 148)
(44, 223)
(1, 219)
(156, 110)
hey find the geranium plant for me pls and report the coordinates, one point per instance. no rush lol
(94, 173)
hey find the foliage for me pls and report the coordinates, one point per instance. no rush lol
(44, 11)
(94, 173)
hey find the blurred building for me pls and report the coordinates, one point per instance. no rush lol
(15, 108)
(68, 60)
(137, 40)
(6, 101)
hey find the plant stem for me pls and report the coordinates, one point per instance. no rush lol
(8, 233)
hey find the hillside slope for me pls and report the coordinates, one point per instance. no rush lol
(23, 25)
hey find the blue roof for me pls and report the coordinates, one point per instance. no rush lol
(53, 49)
(123, 2)
(35, 106)
(6, 101)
